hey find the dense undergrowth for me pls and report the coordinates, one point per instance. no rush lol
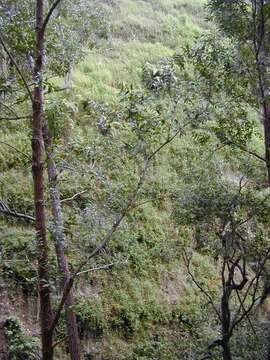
(146, 306)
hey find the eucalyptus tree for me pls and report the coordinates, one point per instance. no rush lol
(219, 99)
(247, 23)
(236, 238)
(26, 41)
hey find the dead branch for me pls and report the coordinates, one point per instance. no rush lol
(74, 196)
(102, 267)
(4, 209)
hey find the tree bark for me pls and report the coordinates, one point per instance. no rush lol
(266, 125)
(261, 56)
(226, 351)
(46, 314)
(226, 321)
(59, 241)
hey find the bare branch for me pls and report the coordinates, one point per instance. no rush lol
(254, 299)
(74, 196)
(242, 305)
(12, 118)
(4, 209)
(102, 267)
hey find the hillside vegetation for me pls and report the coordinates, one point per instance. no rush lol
(138, 299)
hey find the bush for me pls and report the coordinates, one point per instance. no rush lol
(20, 345)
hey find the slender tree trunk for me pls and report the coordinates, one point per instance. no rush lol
(225, 316)
(46, 314)
(261, 56)
(266, 125)
(59, 241)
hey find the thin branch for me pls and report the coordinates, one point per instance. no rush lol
(256, 278)
(9, 108)
(242, 305)
(59, 342)
(2, 42)
(73, 197)
(4, 209)
(49, 15)
(187, 263)
(14, 148)
(15, 118)
(102, 267)
(250, 152)
(103, 243)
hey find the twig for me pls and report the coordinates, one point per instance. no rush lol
(187, 263)
(74, 196)
(4, 209)
(14, 148)
(102, 267)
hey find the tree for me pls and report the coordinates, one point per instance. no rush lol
(37, 99)
(232, 232)
(19, 33)
(247, 24)
(221, 97)
(139, 122)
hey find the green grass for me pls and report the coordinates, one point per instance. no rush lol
(142, 31)
(100, 75)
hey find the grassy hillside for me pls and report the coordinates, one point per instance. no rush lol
(140, 32)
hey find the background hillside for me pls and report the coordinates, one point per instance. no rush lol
(145, 306)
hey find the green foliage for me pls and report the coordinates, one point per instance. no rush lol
(59, 114)
(233, 16)
(138, 307)
(77, 27)
(16, 242)
(153, 349)
(20, 345)
(91, 316)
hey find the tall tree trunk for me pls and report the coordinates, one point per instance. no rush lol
(59, 241)
(46, 314)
